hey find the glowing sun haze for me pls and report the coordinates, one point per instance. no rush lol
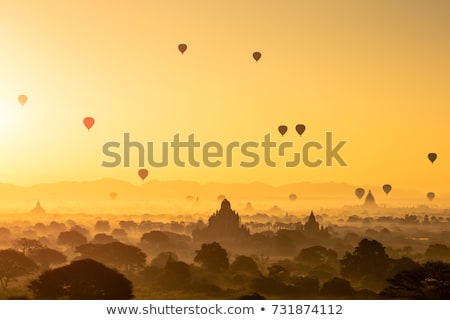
(375, 73)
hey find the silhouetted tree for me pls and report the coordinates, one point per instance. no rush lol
(25, 244)
(337, 288)
(115, 254)
(437, 252)
(45, 257)
(369, 257)
(71, 238)
(156, 240)
(120, 234)
(246, 265)
(103, 238)
(316, 256)
(14, 264)
(162, 258)
(212, 257)
(428, 281)
(102, 226)
(82, 280)
(176, 275)
(254, 296)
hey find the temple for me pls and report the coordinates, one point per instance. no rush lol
(223, 226)
(38, 209)
(370, 200)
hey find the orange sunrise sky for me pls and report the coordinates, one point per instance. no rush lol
(374, 73)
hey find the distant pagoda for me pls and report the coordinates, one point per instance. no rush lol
(38, 209)
(370, 200)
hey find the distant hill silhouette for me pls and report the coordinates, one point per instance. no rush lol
(100, 190)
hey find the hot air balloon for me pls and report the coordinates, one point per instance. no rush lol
(430, 196)
(22, 99)
(360, 192)
(189, 198)
(282, 129)
(387, 188)
(256, 55)
(221, 197)
(143, 173)
(182, 47)
(292, 197)
(88, 122)
(432, 157)
(300, 128)
(113, 195)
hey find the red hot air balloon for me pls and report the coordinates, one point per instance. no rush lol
(143, 173)
(387, 188)
(282, 130)
(360, 192)
(300, 128)
(88, 122)
(430, 196)
(182, 47)
(432, 157)
(22, 99)
(256, 55)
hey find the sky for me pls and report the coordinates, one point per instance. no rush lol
(373, 73)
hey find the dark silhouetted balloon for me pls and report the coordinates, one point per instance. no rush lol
(282, 130)
(387, 188)
(88, 122)
(189, 198)
(432, 157)
(292, 197)
(22, 99)
(430, 196)
(256, 55)
(143, 173)
(113, 195)
(221, 197)
(300, 128)
(182, 47)
(360, 192)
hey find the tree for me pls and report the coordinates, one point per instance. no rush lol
(176, 275)
(369, 257)
(212, 257)
(337, 287)
(25, 244)
(156, 239)
(103, 238)
(438, 252)
(115, 254)
(102, 226)
(82, 280)
(161, 260)
(45, 257)
(71, 238)
(14, 264)
(245, 265)
(316, 256)
(428, 281)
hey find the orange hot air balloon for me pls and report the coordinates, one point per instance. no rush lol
(143, 173)
(22, 99)
(88, 122)
(282, 130)
(432, 157)
(256, 55)
(300, 128)
(182, 47)
(292, 197)
(360, 192)
(430, 196)
(387, 188)
(113, 195)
